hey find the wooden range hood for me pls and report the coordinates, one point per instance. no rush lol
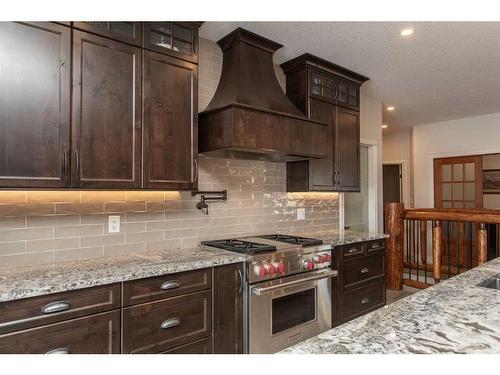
(249, 116)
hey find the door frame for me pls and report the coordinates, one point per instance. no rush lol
(405, 180)
(374, 175)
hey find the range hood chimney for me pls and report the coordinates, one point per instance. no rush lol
(249, 116)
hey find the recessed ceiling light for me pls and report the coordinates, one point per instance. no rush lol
(385, 126)
(406, 32)
(390, 109)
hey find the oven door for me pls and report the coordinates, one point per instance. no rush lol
(286, 311)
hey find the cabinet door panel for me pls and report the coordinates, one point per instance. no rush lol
(94, 334)
(228, 309)
(35, 83)
(321, 170)
(347, 149)
(106, 113)
(128, 32)
(178, 39)
(170, 122)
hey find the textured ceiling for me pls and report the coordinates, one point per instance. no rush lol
(444, 71)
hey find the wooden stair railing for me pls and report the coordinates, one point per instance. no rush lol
(408, 228)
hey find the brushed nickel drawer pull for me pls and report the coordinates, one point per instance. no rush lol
(170, 323)
(55, 307)
(365, 300)
(375, 245)
(170, 285)
(353, 250)
(365, 270)
(59, 351)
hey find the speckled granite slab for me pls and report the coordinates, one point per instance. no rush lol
(456, 316)
(337, 238)
(34, 281)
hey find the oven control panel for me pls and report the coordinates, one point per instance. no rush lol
(277, 267)
(316, 261)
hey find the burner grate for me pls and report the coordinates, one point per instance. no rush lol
(295, 240)
(240, 246)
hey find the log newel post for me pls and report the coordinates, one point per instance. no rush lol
(437, 236)
(394, 224)
(482, 244)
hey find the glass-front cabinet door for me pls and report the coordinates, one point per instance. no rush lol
(128, 32)
(178, 39)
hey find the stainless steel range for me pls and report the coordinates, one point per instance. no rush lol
(287, 289)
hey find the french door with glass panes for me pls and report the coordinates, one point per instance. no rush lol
(458, 185)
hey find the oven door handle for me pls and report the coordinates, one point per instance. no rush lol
(264, 290)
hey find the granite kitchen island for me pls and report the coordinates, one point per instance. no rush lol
(455, 316)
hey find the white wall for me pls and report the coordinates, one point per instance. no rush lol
(468, 136)
(371, 132)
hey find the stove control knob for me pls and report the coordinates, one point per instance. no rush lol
(271, 269)
(260, 270)
(319, 259)
(308, 265)
(280, 267)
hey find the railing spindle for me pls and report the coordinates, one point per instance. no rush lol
(436, 250)
(482, 244)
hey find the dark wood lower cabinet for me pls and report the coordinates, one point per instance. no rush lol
(170, 314)
(158, 326)
(95, 334)
(228, 309)
(360, 286)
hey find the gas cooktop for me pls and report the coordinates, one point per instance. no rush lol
(294, 240)
(240, 246)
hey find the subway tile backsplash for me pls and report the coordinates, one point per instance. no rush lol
(52, 226)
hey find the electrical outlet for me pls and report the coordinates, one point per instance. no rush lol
(301, 213)
(114, 224)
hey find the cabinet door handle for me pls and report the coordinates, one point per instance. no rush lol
(170, 323)
(196, 170)
(171, 284)
(59, 351)
(55, 307)
(65, 163)
(241, 282)
(77, 165)
(365, 270)
(365, 300)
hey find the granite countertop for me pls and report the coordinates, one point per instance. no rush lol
(455, 316)
(34, 281)
(27, 282)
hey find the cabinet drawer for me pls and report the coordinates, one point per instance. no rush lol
(158, 326)
(360, 301)
(353, 250)
(160, 287)
(376, 245)
(36, 311)
(363, 269)
(199, 347)
(95, 334)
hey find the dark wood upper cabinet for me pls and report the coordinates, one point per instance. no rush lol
(128, 32)
(106, 126)
(228, 309)
(170, 122)
(178, 39)
(328, 93)
(35, 81)
(347, 149)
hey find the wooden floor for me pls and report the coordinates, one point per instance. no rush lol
(395, 295)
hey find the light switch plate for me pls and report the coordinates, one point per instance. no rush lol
(301, 213)
(114, 224)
